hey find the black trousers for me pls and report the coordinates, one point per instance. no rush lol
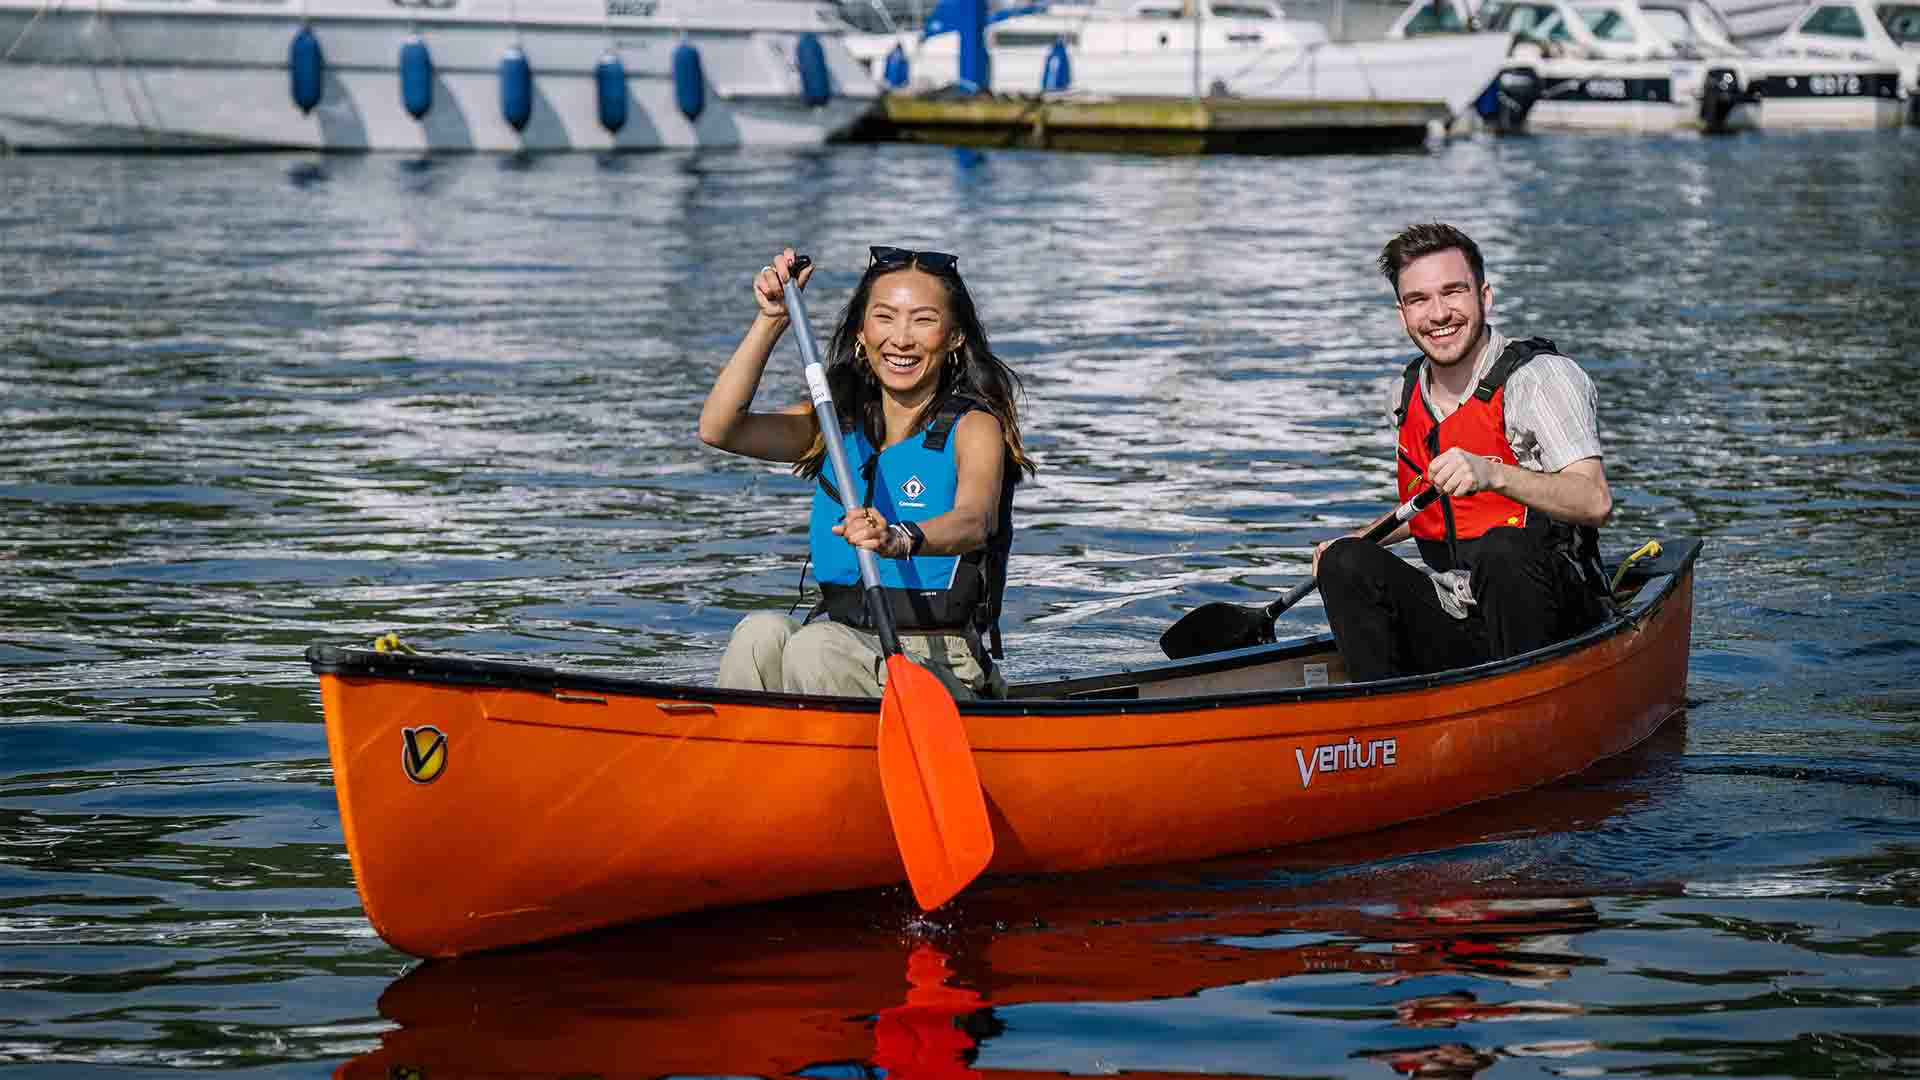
(1387, 621)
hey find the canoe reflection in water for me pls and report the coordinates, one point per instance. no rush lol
(853, 986)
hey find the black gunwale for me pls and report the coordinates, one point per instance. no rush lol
(1661, 580)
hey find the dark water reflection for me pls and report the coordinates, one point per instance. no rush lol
(250, 403)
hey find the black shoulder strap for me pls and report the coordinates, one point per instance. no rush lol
(1515, 356)
(1409, 381)
(992, 559)
(945, 416)
(868, 472)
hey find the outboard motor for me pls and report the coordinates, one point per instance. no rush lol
(1718, 97)
(1513, 96)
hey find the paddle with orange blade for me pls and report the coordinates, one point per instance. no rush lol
(926, 767)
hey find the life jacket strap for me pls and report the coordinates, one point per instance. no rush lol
(989, 562)
(1580, 544)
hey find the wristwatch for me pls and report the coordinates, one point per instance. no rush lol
(916, 538)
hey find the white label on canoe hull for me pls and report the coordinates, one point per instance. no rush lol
(1314, 675)
(1341, 756)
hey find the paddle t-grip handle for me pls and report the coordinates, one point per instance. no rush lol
(1380, 529)
(829, 419)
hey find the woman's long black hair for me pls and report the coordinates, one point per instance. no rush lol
(971, 371)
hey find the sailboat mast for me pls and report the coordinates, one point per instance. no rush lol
(1194, 7)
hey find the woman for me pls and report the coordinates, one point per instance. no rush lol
(930, 426)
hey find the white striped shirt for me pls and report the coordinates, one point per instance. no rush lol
(1552, 412)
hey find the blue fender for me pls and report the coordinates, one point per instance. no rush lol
(689, 82)
(416, 77)
(516, 88)
(308, 68)
(816, 86)
(1058, 72)
(610, 86)
(896, 74)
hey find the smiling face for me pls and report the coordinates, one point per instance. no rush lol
(909, 332)
(1443, 309)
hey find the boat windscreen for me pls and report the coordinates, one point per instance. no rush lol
(1606, 24)
(1834, 20)
(1673, 25)
(1902, 22)
(1709, 23)
(1519, 18)
(1438, 17)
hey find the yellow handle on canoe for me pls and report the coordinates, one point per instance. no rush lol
(1648, 550)
(390, 642)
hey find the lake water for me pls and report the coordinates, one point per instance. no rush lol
(248, 403)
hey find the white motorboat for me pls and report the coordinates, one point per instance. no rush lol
(425, 75)
(1667, 65)
(1750, 24)
(1858, 30)
(1163, 48)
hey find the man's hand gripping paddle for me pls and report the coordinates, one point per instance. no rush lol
(927, 774)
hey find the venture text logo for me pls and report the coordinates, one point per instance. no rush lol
(1352, 754)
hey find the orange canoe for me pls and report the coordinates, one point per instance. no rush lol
(488, 804)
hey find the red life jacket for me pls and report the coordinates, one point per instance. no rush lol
(1478, 426)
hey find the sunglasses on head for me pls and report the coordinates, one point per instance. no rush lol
(893, 258)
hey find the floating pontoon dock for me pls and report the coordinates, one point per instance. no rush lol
(1155, 125)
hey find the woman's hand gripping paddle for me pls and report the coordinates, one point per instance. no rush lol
(1220, 626)
(926, 767)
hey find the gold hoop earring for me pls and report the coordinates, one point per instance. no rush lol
(860, 351)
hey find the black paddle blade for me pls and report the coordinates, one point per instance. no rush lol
(1216, 627)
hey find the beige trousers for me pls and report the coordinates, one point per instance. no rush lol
(769, 651)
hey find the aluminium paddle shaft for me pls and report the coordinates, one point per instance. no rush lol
(829, 419)
(1374, 535)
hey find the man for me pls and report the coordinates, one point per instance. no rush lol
(1507, 431)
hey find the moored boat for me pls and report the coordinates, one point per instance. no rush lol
(1169, 48)
(1881, 33)
(1671, 65)
(488, 804)
(425, 75)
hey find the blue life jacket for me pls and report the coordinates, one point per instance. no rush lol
(914, 480)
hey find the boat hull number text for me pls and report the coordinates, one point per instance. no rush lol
(1834, 85)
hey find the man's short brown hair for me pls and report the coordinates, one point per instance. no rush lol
(1417, 241)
